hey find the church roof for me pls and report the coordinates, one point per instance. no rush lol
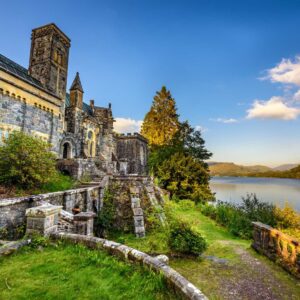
(76, 85)
(15, 69)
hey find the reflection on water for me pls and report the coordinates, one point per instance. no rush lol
(274, 190)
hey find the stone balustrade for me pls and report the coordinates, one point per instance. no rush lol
(277, 246)
(12, 211)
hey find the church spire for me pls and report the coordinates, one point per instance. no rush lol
(76, 93)
(76, 85)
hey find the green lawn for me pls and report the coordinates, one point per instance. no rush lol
(75, 272)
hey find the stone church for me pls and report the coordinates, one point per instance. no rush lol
(36, 101)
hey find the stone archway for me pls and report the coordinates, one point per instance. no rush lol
(67, 150)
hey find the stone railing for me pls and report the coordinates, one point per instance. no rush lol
(12, 211)
(277, 246)
(180, 284)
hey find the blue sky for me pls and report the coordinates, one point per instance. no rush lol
(232, 66)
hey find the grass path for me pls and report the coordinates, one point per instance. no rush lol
(229, 268)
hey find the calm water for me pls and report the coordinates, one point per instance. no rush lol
(274, 190)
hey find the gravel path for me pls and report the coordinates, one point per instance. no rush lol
(254, 279)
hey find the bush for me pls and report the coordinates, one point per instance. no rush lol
(208, 210)
(26, 161)
(287, 218)
(238, 218)
(184, 240)
(258, 211)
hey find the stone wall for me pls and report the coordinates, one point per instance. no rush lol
(12, 211)
(79, 167)
(177, 282)
(277, 246)
(132, 154)
(17, 115)
(133, 205)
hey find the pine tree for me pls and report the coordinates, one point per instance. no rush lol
(161, 122)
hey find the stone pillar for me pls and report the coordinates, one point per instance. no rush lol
(42, 219)
(84, 223)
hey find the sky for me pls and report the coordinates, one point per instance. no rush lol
(233, 67)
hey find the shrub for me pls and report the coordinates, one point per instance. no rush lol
(184, 240)
(287, 217)
(238, 218)
(26, 161)
(208, 210)
(257, 210)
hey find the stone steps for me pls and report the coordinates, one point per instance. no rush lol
(138, 215)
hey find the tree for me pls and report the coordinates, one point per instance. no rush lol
(185, 177)
(26, 161)
(161, 122)
(187, 140)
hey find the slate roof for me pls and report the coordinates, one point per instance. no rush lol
(15, 69)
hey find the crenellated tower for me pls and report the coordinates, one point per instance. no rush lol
(49, 56)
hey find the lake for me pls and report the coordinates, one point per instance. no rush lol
(273, 190)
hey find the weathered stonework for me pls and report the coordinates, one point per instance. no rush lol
(42, 219)
(35, 101)
(12, 211)
(17, 115)
(84, 223)
(277, 246)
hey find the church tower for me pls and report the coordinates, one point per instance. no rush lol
(76, 93)
(74, 111)
(49, 57)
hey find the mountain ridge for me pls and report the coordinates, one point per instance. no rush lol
(232, 169)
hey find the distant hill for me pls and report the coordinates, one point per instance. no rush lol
(285, 167)
(231, 169)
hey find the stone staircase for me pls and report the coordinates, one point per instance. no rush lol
(138, 215)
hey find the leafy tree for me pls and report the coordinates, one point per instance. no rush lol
(177, 152)
(185, 177)
(187, 140)
(161, 122)
(26, 161)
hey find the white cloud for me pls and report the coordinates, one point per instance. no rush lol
(274, 108)
(225, 121)
(296, 96)
(125, 125)
(287, 72)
